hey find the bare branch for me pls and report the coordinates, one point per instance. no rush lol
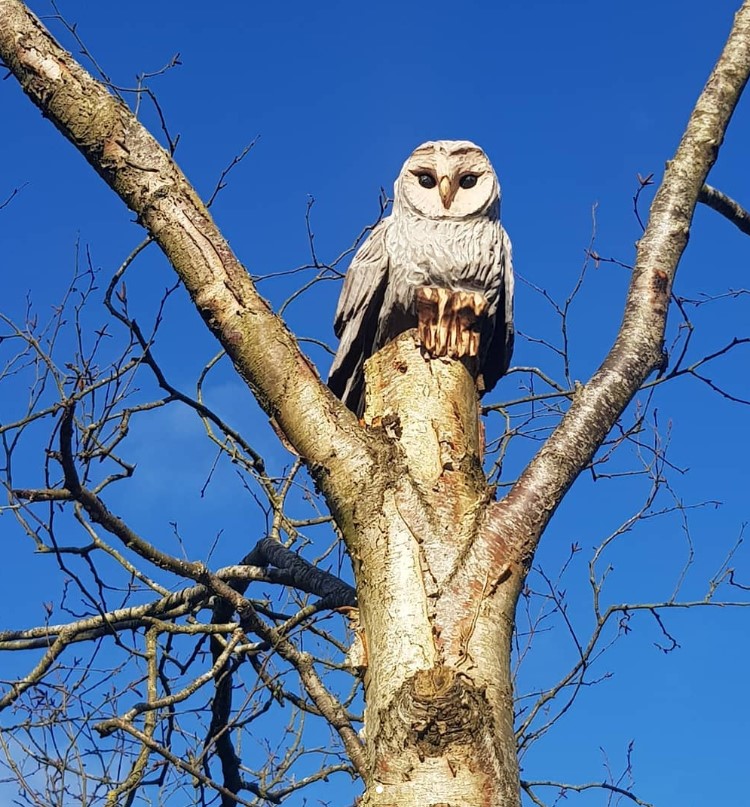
(150, 183)
(528, 786)
(638, 348)
(726, 206)
(12, 196)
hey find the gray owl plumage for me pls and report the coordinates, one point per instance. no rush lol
(444, 231)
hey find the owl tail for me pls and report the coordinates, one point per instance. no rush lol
(357, 334)
(347, 382)
(347, 378)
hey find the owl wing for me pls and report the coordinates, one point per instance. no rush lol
(356, 318)
(500, 333)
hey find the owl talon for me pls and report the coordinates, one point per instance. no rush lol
(448, 321)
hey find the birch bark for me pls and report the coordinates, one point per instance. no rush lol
(439, 564)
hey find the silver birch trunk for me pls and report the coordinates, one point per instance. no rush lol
(438, 562)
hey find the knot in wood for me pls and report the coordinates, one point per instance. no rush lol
(442, 708)
(434, 682)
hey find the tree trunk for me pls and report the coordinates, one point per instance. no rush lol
(439, 716)
(438, 563)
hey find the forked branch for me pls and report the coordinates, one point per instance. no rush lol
(146, 178)
(638, 349)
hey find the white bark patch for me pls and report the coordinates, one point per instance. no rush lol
(43, 65)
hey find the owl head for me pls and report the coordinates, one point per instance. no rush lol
(448, 179)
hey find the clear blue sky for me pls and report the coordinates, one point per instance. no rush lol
(571, 100)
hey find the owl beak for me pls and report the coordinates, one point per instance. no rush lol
(446, 192)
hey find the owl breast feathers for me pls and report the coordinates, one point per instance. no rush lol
(444, 233)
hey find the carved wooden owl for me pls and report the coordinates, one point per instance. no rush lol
(442, 246)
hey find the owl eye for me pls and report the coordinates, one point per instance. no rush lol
(468, 181)
(426, 180)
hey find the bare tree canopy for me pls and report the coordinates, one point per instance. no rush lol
(290, 602)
